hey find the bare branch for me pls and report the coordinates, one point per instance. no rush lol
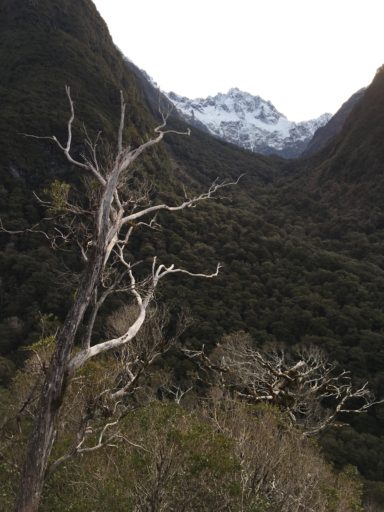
(298, 387)
(88, 166)
(186, 204)
(121, 127)
(23, 231)
(142, 301)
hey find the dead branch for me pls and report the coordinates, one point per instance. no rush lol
(303, 384)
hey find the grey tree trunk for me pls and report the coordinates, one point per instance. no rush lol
(43, 435)
(56, 381)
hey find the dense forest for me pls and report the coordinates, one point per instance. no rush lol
(302, 248)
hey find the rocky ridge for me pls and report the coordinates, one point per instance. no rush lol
(248, 121)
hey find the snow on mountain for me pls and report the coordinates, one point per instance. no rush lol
(248, 121)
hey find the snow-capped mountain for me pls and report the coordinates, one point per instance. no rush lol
(248, 121)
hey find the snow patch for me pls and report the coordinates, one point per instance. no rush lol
(249, 121)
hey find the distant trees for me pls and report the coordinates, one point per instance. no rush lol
(101, 225)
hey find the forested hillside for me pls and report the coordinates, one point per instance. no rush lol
(301, 242)
(309, 250)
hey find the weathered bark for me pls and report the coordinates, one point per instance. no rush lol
(40, 445)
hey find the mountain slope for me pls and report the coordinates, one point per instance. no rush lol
(349, 171)
(248, 121)
(333, 127)
(44, 46)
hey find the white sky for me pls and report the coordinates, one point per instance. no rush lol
(305, 56)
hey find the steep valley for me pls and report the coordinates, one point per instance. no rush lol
(301, 241)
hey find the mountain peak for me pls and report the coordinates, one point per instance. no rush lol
(248, 121)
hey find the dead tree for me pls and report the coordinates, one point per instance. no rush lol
(102, 233)
(302, 383)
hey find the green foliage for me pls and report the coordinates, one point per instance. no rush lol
(228, 456)
(177, 457)
(58, 193)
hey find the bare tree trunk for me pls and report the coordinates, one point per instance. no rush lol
(40, 444)
(44, 431)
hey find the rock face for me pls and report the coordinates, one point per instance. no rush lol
(248, 121)
(327, 132)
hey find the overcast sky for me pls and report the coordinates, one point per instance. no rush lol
(305, 56)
